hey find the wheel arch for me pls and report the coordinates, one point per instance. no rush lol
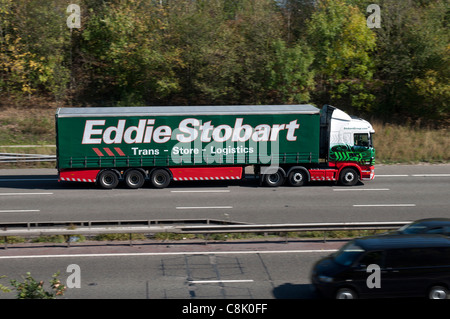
(343, 166)
(300, 168)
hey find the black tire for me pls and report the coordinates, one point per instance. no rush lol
(297, 177)
(108, 179)
(160, 178)
(275, 179)
(346, 293)
(134, 179)
(348, 177)
(438, 292)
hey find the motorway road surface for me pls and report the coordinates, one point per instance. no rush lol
(398, 193)
(189, 270)
(241, 270)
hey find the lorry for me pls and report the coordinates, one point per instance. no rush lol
(285, 144)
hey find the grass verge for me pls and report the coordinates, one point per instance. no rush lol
(163, 237)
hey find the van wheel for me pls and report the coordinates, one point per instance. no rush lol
(160, 178)
(134, 178)
(108, 179)
(275, 179)
(346, 293)
(438, 292)
(348, 177)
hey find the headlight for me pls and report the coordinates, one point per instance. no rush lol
(325, 278)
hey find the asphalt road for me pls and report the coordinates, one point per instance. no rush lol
(398, 193)
(242, 270)
(191, 271)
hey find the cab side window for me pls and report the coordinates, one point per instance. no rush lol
(361, 139)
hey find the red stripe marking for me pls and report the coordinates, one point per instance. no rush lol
(207, 173)
(99, 153)
(119, 151)
(108, 151)
(82, 175)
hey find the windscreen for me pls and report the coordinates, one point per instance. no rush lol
(348, 254)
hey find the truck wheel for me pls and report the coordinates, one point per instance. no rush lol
(134, 178)
(108, 179)
(297, 178)
(160, 178)
(275, 179)
(348, 177)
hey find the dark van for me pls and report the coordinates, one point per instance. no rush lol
(408, 265)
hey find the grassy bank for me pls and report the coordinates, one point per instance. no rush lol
(411, 144)
(393, 143)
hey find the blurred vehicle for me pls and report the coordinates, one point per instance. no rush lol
(426, 226)
(409, 265)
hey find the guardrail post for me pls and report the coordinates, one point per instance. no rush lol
(6, 242)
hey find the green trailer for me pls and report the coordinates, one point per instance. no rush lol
(164, 144)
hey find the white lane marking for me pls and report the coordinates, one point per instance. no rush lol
(431, 175)
(391, 175)
(19, 211)
(203, 191)
(172, 253)
(415, 175)
(206, 207)
(19, 194)
(219, 281)
(386, 205)
(361, 189)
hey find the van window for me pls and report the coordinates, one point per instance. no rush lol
(372, 257)
(418, 257)
(348, 254)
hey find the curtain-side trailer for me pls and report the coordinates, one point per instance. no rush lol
(292, 144)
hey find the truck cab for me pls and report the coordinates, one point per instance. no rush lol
(350, 139)
(346, 144)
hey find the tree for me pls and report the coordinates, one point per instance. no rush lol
(127, 51)
(412, 60)
(33, 48)
(290, 78)
(343, 47)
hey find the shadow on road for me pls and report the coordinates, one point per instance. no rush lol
(50, 182)
(295, 291)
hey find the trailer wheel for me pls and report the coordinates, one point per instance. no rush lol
(108, 179)
(134, 178)
(297, 178)
(275, 179)
(349, 177)
(160, 178)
